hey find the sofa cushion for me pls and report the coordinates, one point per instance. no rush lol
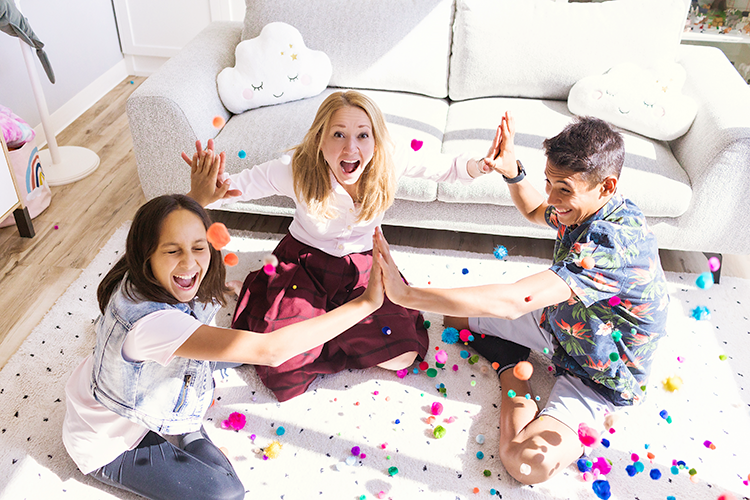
(651, 177)
(646, 101)
(561, 43)
(375, 44)
(273, 68)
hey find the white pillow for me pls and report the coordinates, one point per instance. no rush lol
(649, 102)
(273, 68)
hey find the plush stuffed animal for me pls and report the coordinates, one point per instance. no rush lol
(648, 102)
(273, 68)
(15, 131)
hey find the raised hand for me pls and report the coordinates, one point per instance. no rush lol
(375, 291)
(502, 154)
(205, 185)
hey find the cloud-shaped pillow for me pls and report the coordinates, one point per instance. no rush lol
(648, 102)
(272, 68)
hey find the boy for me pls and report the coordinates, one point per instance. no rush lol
(597, 312)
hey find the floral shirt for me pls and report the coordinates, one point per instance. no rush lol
(608, 331)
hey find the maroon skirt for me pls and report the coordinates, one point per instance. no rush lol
(307, 283)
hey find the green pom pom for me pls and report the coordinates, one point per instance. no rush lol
(426, 323)
(392, 471)
(432, 373)
(487, 473)
(511, 393)
(474, 359)
(439, 432)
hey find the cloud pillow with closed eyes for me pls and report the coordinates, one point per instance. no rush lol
(648, 102)
(273, 68)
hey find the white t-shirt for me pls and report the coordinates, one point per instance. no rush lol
(94, 435)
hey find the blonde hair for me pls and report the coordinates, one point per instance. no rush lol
(311, 174)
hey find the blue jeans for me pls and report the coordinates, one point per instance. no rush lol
(158, 470)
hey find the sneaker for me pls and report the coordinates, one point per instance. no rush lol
(503, 352)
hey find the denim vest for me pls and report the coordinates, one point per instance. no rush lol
(171, 399)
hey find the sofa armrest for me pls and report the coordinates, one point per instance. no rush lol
(176, 106)
(715, 152)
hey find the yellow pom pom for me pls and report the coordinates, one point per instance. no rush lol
(273, 450)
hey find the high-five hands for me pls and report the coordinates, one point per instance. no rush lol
(395, 287)
(208, 181)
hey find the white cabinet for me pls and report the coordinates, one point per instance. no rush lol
(152, 32)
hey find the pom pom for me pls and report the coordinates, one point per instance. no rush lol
(356, 450)
(441, 356)
(416, 144)
(402, 373)
(700, 313)
(614, 301)
(392, 471)
(465, 335)
(218, 122)
(231, 259)
(236, 421)
(601, 489)
(500, 252)
(655, 474)
(450, 335)
(439, 432)
(280, 431)
(242, 154)
(217, 235)
(525, 469)
(588, 262)
(714, 264)
(480, 455)
(602, 465)
(480, 438)
(705, 280)
(437, 408)
(273, 450)
(672, 383)
(523, 370)
(588, 436)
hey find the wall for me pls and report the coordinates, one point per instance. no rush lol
(81, 41)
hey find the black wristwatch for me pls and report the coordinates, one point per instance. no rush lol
(519, 177)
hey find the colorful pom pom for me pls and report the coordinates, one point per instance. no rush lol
(218, 235)
(500, 252)
(231, 259)
(236, 421)
(523, 370)
(450, 335)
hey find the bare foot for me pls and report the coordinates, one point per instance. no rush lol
(236, 286)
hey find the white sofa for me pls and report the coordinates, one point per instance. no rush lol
(444, 71)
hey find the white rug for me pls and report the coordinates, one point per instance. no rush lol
(387, 418)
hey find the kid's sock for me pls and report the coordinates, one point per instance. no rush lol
(503, 352)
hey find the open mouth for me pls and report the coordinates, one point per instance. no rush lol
(349, 166)
(185, 282)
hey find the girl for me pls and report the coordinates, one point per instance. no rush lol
(342, 179)
(150, 373)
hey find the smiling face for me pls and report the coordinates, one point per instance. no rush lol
(348, 146)
(574, 197)
(181, 259)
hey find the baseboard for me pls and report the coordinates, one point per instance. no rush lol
(82, 101)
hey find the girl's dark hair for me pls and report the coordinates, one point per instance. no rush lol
(587, 145)
(143, 238)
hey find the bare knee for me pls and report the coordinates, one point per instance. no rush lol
(530, 462)
(399, 362)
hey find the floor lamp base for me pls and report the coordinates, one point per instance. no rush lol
(75, 164)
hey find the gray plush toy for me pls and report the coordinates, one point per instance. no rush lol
(13, 23)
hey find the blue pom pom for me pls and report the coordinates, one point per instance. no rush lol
(450, 335)
(655, 474)
(605, 443)
(705, 280)
(500, 252)
(663, 414)
(464, 271)
(601, 488)
(630, 469)
(700, 313)
(242, 154)
(583, 465)
(465, 354)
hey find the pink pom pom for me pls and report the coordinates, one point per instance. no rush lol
(437, 408)
(236, 422)
(441, 356)
(464, 335)
(602, 466)
(588, 436)
(269, 269)
(402, 373)
(714, 264)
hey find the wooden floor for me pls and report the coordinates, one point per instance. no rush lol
(35, 272)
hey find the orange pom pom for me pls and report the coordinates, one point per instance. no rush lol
(217, 235)
(231, 259)
(523, 370)
(588, 262)
(218, 122)
(495, 365)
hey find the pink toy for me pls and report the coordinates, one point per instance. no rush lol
(589, 437)
(437, 408)
(236, 422)
(441, 356)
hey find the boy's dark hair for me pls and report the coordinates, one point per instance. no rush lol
(143, 238)
(587, 145)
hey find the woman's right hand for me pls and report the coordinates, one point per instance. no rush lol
(502, 155)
